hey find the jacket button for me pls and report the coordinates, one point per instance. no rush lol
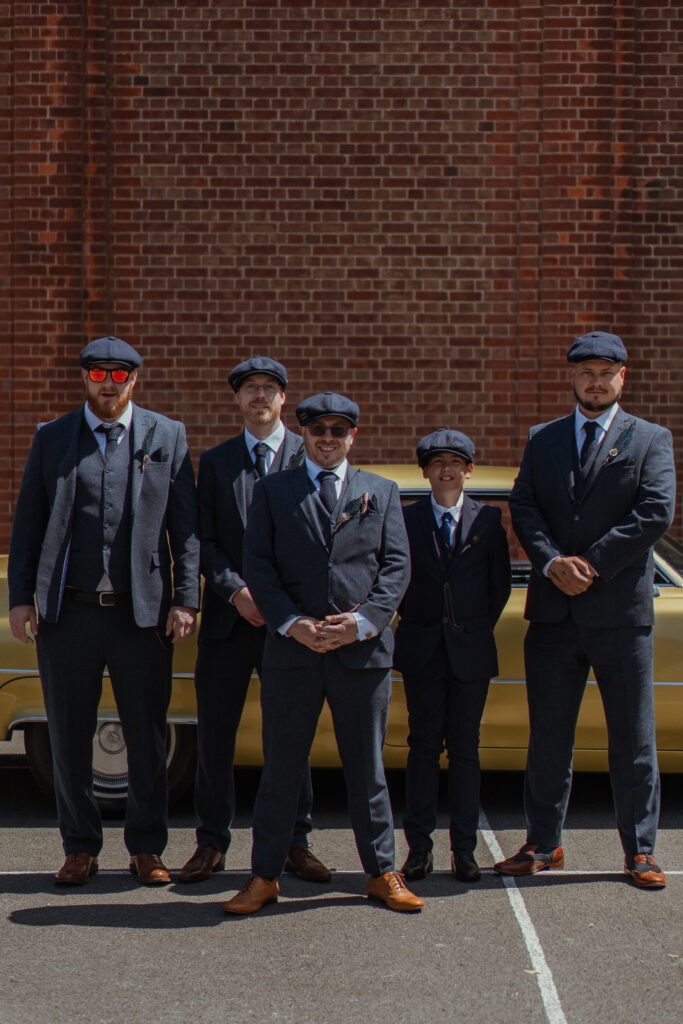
(577, 518)
(444, 620)
(330, 564)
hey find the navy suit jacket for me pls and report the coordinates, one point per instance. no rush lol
(164, 557)
(454, 601)
(626, 504)
(223, 493)
(292, 570)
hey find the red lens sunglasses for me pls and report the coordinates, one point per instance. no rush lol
(97, 375)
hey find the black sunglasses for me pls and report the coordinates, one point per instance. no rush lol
(336, 431)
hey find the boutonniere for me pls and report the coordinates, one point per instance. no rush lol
(622, 442)
(475, 540)
(296, 458)
(355, 508)
(146, 448)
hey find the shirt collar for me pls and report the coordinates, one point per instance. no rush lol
(604, 420)
(455, 510)
(94, 421)
(273, 440)
(312, 468)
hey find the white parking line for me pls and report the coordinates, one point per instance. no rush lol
(551, 1000)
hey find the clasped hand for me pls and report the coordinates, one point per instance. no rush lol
(322, 635)
(571, 574)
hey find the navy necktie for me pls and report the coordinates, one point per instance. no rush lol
(328, 492)
(446, 530)
(112, 434)
(260, 451)
(588, 447)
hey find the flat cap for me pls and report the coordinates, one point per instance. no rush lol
(110, 350)
(327, 404)
(257, 364)
(597, 345)
(444, 441)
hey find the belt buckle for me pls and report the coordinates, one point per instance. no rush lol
(102, 594)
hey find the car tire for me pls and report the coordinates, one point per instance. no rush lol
(110, 763)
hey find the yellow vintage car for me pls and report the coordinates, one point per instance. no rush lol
(504, 730)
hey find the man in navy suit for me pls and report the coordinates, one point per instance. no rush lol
(232, 630)
(445, 649)
(595, 490)
(105, 537)
(326, 560)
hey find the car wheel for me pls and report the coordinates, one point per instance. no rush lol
(110, 760)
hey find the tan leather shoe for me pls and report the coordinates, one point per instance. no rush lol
(391, 889)
(301, 861)
(149, 869)
(76, 869)
(252, 896)
(645, 873)
(529, 860)
(201, 865)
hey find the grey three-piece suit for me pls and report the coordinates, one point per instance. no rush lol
(133, 519)
(299, 560)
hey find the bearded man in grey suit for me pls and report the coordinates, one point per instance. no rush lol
(232, 630)
(595, 490)
(326, 561)
(105, 537)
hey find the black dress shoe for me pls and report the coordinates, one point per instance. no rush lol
(418, 863)
(465, 867)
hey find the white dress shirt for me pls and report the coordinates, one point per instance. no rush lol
(94, 422)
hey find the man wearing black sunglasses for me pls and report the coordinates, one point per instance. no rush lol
(326, 560)
(232, 631)
(105, 539)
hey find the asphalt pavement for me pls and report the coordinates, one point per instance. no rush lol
(579, 946)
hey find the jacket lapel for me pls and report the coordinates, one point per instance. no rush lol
(304, 496)
(564, 452)
(242, 476)
(619, 424)
(427, 523)
(468, 516)
(142, 427)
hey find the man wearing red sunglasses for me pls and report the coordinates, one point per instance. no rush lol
(105, 540)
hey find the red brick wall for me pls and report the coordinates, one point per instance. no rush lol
(417, 203)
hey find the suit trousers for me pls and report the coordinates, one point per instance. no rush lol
(443, 711)
(292, 701)
(558, 657)
(222, 673)
(72, 655)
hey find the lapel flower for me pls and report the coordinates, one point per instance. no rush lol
(146, 447)
(475, 540)
(357, 507)
(622, 442)
(296, 458)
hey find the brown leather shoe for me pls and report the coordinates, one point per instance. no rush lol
(645, 873)
(301, 861)
(201, 865)
(149, 869)
(529, 860)
(252, 896)
(391, 889)
(76, 869)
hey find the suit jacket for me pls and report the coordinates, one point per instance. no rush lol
(164, 556)
(292, 570)
(454, 601)
(223, 496)
(625, 505)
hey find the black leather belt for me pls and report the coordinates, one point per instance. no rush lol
(105, 598)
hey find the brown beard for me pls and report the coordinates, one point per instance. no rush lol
(597, 404)
(111, 412)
